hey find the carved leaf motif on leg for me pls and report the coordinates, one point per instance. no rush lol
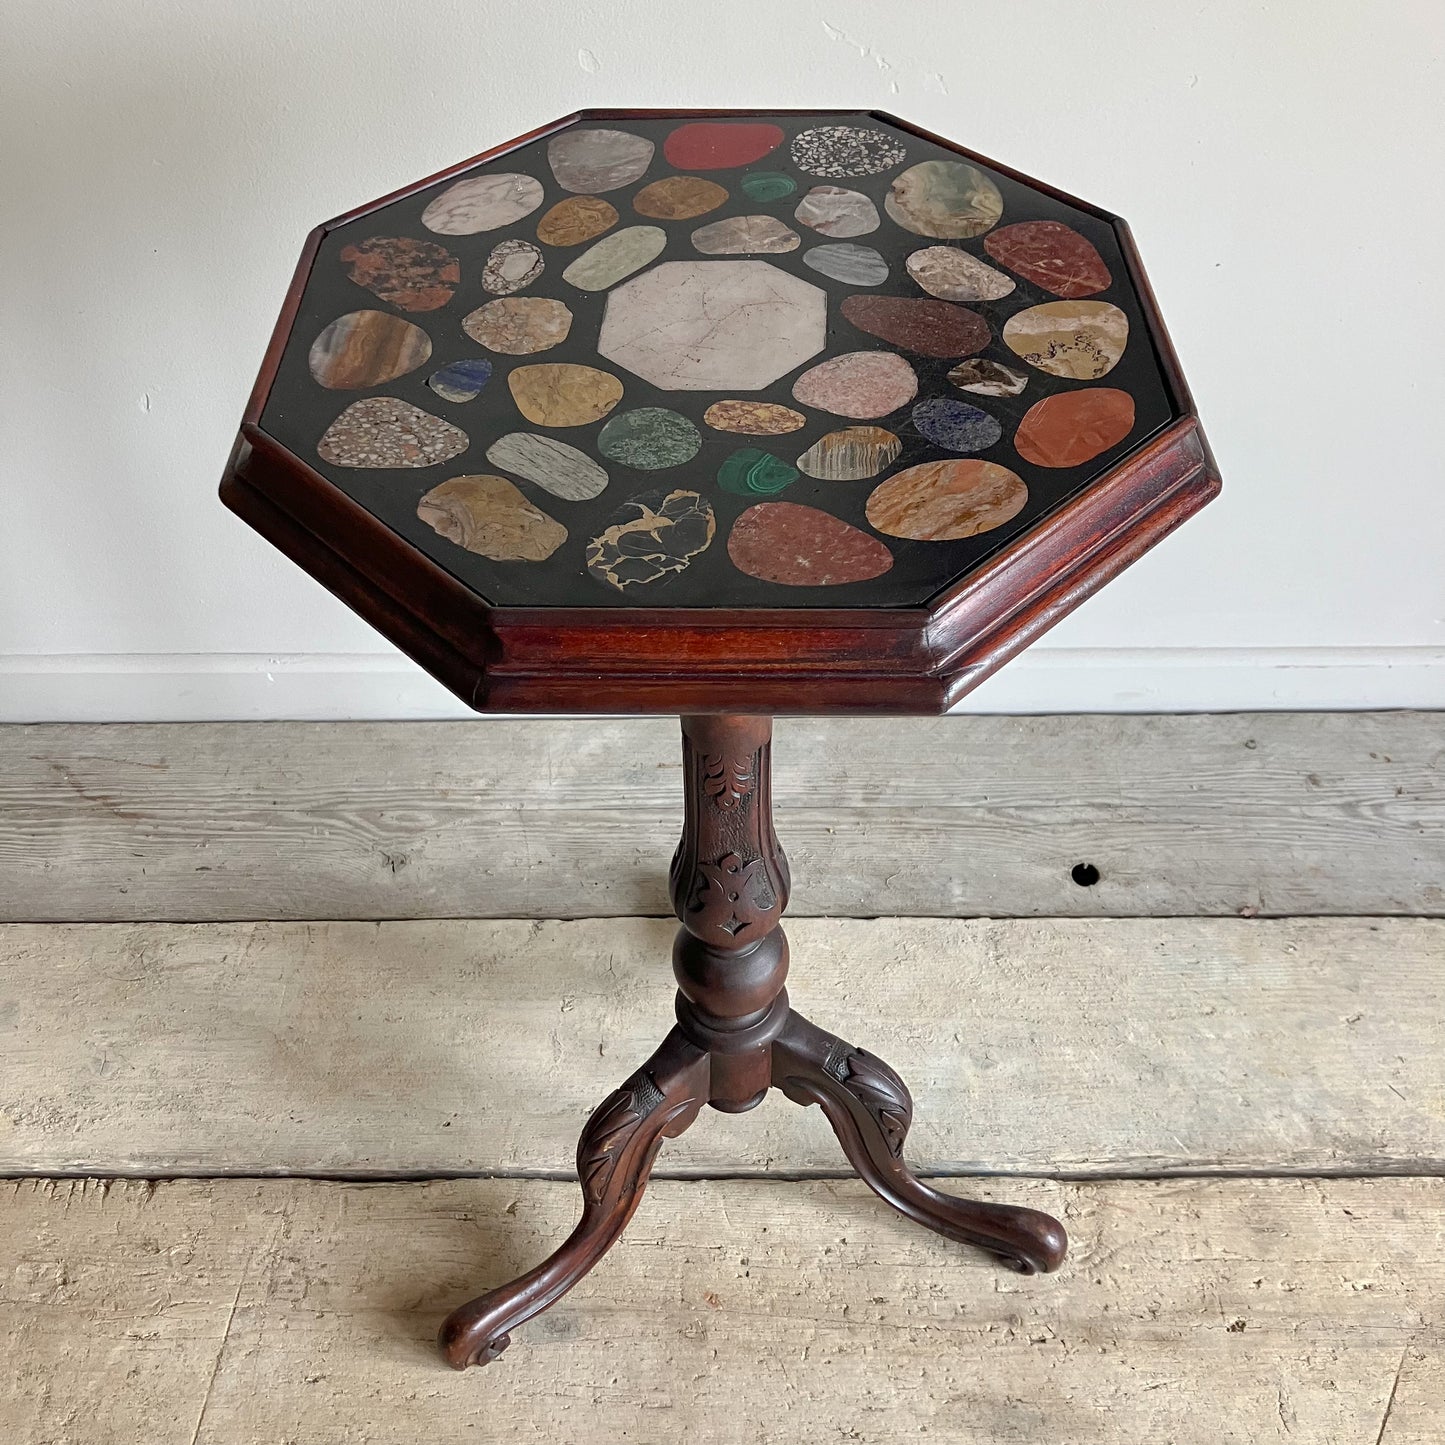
(738, 894)
(877, 1087)
(609, 1131)
(727, 780)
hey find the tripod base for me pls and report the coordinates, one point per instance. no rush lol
(867, 1104)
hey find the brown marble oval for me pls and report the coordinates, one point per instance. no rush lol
(562, 394)
(1051, 255)
(1081, 340)
(797, 546)
(367, 348)
(678, 198)
(411, 275)
(943, 501)
(930, 328)
(753, 418)
(1074, 427)
(575, 220)
(851, 454)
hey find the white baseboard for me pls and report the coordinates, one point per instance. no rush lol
(196, 687)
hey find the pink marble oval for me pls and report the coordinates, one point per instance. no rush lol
(858, 384)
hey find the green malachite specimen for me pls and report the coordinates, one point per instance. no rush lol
(768, 186)
(752, 472)
(650, 438)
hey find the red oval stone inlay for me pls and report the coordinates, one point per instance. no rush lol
(1051, 255)
(931, 328)
(1073, 427)
(708, 145)
(804, 547)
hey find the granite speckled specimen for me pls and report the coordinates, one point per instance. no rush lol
(561, 470)
(845, 150)
(1051, 255)
(519, 325)
(489, 516)
(713, 325)
(1074, 427)
(798, 546)
(858, 384)
(563, 394)
(382, 432)
(367, 348)
(412, 275)
(575, 220)
(482, 203)
(943, 501)
(851, 454)
(947, 199)
(1081, 340)
(598, 159)
(651, 537)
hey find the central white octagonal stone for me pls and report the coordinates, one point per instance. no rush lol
(713, 325)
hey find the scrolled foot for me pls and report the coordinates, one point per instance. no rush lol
(614, 1157)
(870, 1109)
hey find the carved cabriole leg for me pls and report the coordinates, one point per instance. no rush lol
(614, 1158)
(870, 1111)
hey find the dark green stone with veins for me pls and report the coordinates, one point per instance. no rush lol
(650, 438)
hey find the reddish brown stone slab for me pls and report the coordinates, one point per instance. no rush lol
(412, 275)
(1051, 255)
(799, 546)
(930, 328)
(706, 145)
(1074, 427)
(943, 501)
(678, 198)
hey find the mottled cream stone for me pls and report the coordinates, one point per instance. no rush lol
(745, 236)
(713, 325)
(955, 275)
(558, 394)
(753, 418)
(562, 470)
(482, 203)
(943, 501)
(512, 266)
(835, 211)
(489, 516)
(1081, 340)
(598, 159)
(519, 325)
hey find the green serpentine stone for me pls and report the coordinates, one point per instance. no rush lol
(649, 438)
(751, 472)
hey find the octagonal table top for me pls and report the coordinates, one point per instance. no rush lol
(773, 361)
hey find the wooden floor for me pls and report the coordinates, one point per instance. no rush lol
(249, 1165)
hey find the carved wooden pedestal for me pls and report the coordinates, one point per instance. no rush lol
(735, 1038)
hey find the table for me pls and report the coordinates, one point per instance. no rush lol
(728, 415)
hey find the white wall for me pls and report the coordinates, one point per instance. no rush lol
(161, 161)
